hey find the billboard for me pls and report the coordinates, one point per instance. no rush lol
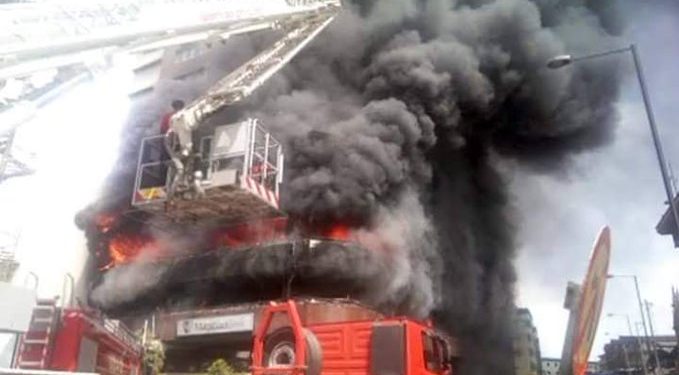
(591, 301)
(215, 325)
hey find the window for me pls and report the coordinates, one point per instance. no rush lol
(432, 353)
(387, 352)
(183, 54)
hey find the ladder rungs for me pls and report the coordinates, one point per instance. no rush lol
(30, 363)
(36, 341)
(44, 308)
(42, 320)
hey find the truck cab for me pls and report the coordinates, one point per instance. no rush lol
(381, 345)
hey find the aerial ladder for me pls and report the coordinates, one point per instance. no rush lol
(235, 173)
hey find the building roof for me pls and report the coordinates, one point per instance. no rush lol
(661, 340)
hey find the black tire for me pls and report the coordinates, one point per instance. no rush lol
(314, 353)
(279, 350)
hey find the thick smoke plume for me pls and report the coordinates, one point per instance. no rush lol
(392, 122)
(404, 101)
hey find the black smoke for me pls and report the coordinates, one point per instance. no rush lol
(394, 119)
(422, 98)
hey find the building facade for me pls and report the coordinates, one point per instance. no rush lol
(630, 352)
(526, 344)
(550, 366)
(593, 367)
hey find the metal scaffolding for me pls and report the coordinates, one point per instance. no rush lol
(10, 165)
(8, 265)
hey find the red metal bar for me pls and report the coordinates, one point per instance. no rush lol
(290, 309)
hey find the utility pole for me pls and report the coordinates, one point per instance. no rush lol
(654, 342)
(639, 346)
(634, 338)
(643, 316)
(624, 352)
(642, 354)
(641, 309)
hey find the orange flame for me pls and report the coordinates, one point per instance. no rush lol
(105, 221)
(128, 247)
(337, 231)
(251, 233)
(125, 248)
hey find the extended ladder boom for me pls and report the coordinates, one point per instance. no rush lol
(239, 84)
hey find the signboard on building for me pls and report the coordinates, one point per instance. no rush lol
(215, 325)
(591, 302)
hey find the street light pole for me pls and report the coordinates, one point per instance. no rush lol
(563, 60)
(656, 139)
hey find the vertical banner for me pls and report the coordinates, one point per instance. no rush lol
(591, 301)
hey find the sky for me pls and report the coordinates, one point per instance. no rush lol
(75, 140)
(618, 185)
(558, 216)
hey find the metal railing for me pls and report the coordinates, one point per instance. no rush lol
(16, 371)
(262, 162)
(144, 168)
(123, 333)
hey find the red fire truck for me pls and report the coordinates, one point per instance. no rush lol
(307, 336)
(70, 339)
(394, 345)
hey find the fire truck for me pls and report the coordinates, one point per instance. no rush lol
(76, 340)
(307, 336)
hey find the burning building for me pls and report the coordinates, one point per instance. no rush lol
(392, 123)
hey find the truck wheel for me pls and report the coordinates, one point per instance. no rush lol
(279, 350)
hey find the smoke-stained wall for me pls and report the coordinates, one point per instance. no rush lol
(392, 121)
